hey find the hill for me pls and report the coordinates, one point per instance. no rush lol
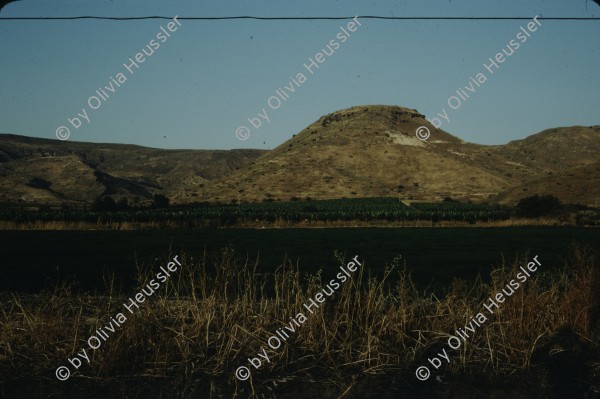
(372, 151)
(52, 172)
(363, 151)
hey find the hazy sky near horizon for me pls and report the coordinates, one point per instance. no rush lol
(209, 77)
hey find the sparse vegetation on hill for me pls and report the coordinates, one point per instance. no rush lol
(38, 172)
(359, 152)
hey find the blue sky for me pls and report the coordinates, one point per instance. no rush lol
(209, 77)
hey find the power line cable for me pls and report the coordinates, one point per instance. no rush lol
(301, 18)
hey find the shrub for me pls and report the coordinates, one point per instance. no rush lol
(536, 206)
(104, 204)
(160, 201)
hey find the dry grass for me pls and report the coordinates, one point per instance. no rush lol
(216, 312)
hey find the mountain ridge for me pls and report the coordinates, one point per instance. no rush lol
(362, 151)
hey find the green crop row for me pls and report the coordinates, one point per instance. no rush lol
(363, 209)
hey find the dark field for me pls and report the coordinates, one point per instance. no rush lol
(34, 260)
